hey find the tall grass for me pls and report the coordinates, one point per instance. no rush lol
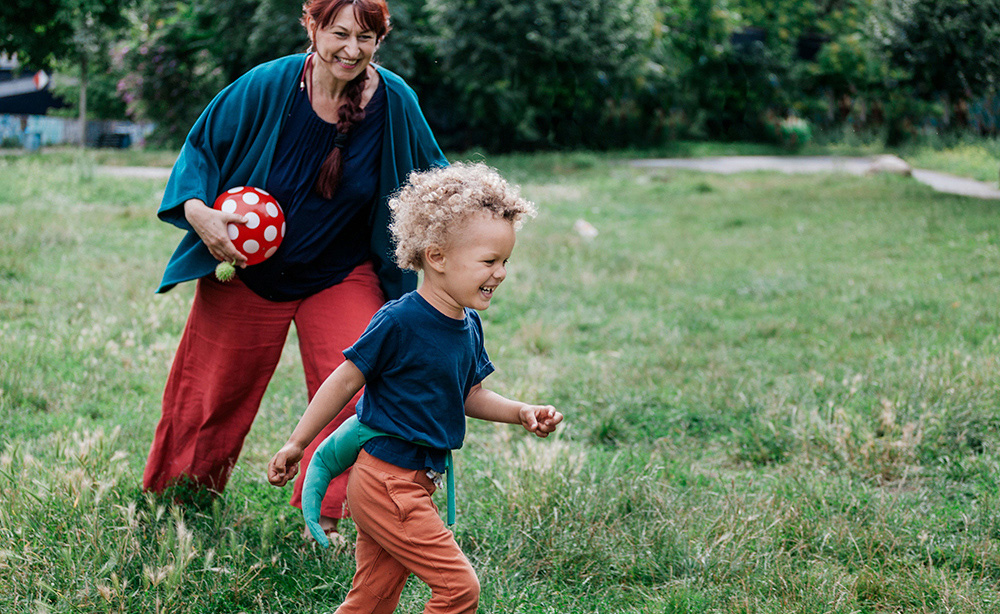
(780, 395)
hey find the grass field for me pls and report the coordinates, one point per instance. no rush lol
(780, 394)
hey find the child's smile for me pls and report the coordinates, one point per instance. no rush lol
(472, 266)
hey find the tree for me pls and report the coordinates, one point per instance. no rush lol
(42, 31)
(411, 51)
(942, 48)
(178, 55)
(537, 74)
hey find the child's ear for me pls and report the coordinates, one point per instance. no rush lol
(434, 258)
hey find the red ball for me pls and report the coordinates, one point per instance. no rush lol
(260, 237)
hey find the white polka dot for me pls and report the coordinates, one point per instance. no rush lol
(253, 220)
(234, 232)
(262, 191)
(270, 233)
(229, 206)
(272, 209)
(235, 190)
(270, 252)
(251, 247)
(282, 230)
(250, 198)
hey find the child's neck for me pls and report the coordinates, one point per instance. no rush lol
(439, 299)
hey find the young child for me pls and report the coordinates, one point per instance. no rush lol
(422, 361)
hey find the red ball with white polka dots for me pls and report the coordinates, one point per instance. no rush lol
(260, 237)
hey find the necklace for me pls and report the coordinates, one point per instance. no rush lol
(307, 71)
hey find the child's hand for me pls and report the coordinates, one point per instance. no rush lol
(539, 419)
(284, 465)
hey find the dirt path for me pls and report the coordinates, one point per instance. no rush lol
(942, 182)
(137, 172)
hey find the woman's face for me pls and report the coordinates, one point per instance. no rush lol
(344, 47)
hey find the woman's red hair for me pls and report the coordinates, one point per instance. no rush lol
(372, 15)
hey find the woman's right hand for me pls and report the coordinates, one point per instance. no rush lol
(212, 226)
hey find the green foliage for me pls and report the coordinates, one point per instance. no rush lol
(936, 50)
(169, 61)
(848, 64)
(794, 132)
(944, 47)
(738, 88)
(506, 75)
(189, 51)
(735, 72)
(103, 98)
(410, 50)
(66, 33)
(273, 31)
(537, 74)
(41, 32)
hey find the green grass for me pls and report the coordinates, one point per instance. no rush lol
(66, 154)
(978, 159)
(780, 396)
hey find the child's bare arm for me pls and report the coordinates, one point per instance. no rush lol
(332, 396)
(488, 405)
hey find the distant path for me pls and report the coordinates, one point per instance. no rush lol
(942, 182)
(137, 172)
(726, 165)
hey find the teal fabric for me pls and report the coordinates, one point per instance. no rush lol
(232, 144)
(332, 458)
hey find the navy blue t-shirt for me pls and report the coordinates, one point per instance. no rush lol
(325, 239)
(419, 366)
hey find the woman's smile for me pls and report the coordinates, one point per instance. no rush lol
(345, 47)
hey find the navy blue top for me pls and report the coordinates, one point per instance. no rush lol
(324, 239)
(419, 366)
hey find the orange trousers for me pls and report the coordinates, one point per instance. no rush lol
(400, 532)
(230, 348)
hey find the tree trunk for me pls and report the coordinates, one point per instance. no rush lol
(83, 101)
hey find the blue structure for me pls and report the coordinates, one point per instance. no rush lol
(25, 100)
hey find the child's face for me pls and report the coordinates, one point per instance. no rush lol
(475, 261)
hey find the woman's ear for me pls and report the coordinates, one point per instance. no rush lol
(311, 30)
(434, 258)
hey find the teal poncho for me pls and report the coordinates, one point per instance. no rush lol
(232, 144)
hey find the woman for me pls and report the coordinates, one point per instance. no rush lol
(331, 136)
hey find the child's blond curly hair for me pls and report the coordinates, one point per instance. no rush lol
(437, 201)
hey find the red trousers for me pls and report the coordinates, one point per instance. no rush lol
(401, 532)
(227, 355)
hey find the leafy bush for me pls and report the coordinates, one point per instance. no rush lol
(940, 51)
(794, 132)
(538, 74)
(505, 75)
(179, 55)
(411, 51)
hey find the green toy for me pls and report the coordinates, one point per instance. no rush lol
(333, 457)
